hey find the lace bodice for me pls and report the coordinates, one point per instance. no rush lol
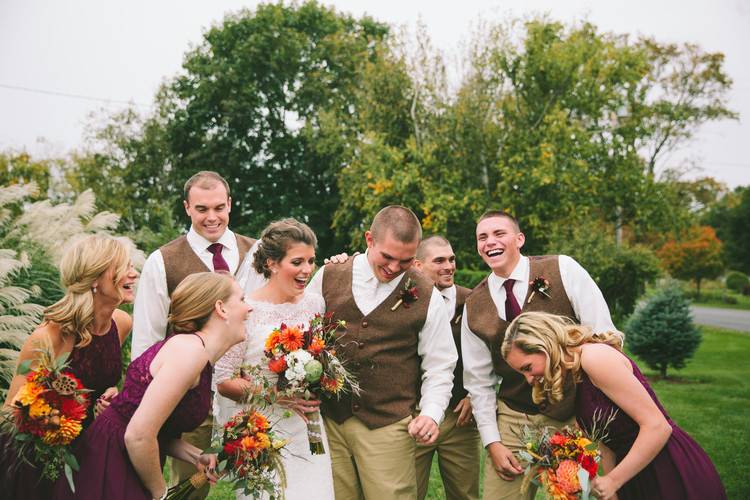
(191, 410)
(262, 320)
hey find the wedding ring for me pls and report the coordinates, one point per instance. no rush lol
(429, 435)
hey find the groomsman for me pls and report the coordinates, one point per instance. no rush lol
(209, 245)
(552, 283)
(457, 445)
(398, 335)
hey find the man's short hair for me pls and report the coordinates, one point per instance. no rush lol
(205, 179)
(500, 213)
(431, 241)
(398, 221)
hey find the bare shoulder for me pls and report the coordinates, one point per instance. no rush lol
(596, 357)
(124, 323)
(185, 349)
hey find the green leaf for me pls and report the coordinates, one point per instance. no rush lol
(70, 460)
(61, 359)
(24, 437)
(24, 367)
(69, 477)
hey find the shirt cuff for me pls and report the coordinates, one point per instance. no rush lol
(489, 434)
(433, 411)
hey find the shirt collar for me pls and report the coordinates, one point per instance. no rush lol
(519, 273)
(361, 267)
(449, 293)
(197, 241)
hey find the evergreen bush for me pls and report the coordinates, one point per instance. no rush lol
(736, 281)
(662, 332)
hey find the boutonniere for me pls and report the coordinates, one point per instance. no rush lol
(541, 285)
(457, 320)
(408, 295)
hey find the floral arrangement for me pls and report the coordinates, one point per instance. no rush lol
(539, 285)
(249, 458)
(408, 295)
(563, 461)
(47, 414)
(306, 363)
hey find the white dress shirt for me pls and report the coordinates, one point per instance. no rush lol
(435, 345)
(151, 306)
(449, 296)
(479, 376)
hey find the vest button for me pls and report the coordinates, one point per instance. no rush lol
(365, 324)
(355, 407)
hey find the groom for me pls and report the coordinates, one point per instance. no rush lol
(209, 245)
(553, 283)
(398, 337)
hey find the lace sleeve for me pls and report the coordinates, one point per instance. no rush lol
(229, 364)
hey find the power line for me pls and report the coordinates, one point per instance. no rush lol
(71, 96)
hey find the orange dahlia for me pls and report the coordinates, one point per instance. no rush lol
(67, 431)
(28, 393)
(567, 476)
(292, 338)
(316, 346)
(272, 340)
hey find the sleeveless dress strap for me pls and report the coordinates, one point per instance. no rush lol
(199, 338)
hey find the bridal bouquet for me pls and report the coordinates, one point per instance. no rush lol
(47, 414)
(564, 461)
(249, 458)
(306, 363)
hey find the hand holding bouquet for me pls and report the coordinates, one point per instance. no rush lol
(249, 457)
(47, 414)
(306, 363)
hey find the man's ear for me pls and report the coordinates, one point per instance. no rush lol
(369, 239)
(186, 205)
(418, 264)
(229, 204)
(520, 240)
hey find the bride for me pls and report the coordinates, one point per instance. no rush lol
(286, 257)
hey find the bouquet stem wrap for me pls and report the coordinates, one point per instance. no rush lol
(315, 433)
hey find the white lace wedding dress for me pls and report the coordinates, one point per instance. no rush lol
(308, 476)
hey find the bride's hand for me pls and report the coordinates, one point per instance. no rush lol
(207, 465)
(300, 406)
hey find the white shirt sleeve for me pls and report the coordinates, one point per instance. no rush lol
(439, 357)
(316, 283)
(585, 297)
(481, 381)
(151, 306)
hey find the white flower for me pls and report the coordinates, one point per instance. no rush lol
(296, 362)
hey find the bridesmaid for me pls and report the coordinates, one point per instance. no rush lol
(98, 277)
(645, 455)
(167, 392)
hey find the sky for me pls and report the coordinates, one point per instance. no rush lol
(112, 53)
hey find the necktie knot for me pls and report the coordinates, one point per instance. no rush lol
(512, 309)
(218, 261)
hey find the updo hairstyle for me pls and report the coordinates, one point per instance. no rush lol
(276, 239)
(194, 300)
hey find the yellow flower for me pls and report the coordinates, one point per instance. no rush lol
(28, 393)
(64, 434)
(278, 443)
(39, 409)
(263, 440)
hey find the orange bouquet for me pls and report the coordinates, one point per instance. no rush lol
(47, 414)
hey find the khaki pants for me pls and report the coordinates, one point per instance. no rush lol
(375, 464)
(458, 450)
(179, 470)
(510, 423)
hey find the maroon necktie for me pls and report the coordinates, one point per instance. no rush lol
(219, 263)
(512, 309)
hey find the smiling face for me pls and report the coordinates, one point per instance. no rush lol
(208, 209)
(499, 244)
(237, 311)
(389, 257)
(439, 264)
(531, 366)
(294, 270)
(121, 292)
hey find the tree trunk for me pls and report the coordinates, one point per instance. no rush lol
(698, 289)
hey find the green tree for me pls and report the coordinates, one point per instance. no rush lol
(662, 332)
(730, 217)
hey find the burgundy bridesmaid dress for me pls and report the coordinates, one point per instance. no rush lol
(681, 470)
(106, 470)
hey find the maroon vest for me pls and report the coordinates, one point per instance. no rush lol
(380, 348)
(180, 260)
(458, 392)
(484, 321)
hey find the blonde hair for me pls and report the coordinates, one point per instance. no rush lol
(557, 337)
(194, 299)
(81, 266)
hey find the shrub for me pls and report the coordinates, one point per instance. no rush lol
(469, 277)
(662, 332)
(737, 281)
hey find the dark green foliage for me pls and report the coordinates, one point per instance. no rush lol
(737, 281)
(469, 278)
(662, 333)
(731, 219)
(620, 271)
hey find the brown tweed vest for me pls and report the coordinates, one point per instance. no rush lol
(180, 260)
(484, 321)
(380, 348)
(458, 392)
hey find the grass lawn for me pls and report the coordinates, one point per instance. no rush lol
(709, 399)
